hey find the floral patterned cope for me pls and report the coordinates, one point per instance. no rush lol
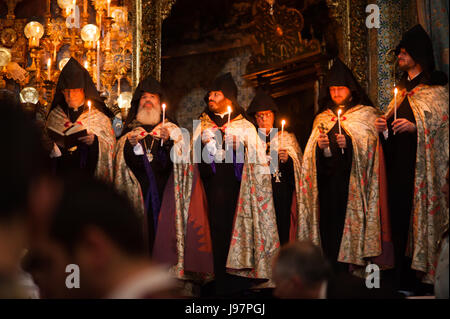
(124, 179)
(361, 237)
(99, 124)
(254, 240)
(429, 216)
(289, 142)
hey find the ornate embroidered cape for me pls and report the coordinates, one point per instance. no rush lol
(430, 214)
(254, 239)
(362, 235)
(99, 124)
(124, 179)
(289, 142)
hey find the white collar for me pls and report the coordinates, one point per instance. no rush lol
(409, 79)
(221, 114)
(152, 279)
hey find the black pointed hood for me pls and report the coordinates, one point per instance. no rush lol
(340, 75)
(75, 76)
(420, 47)
(149, 85)
(226, 84)
(262, 102)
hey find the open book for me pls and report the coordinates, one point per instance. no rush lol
(68, 137)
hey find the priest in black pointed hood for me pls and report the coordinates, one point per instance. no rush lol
(92, 153)
(285, 158)
(227, 180)
(142, 161)
(340, 177)
(415, 139)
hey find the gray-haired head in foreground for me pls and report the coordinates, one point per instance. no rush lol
(302, 259)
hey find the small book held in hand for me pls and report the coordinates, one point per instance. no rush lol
(67, 138)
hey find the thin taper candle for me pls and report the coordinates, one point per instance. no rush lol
(164, 117)
(283, 122)
(339, 121)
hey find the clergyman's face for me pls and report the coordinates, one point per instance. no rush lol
(265, 119)
(149, 100)
(217, 102)
(340, 94)
(405, 61)
(149, 111)
(74, 97)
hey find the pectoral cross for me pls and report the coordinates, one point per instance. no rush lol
(277, 176)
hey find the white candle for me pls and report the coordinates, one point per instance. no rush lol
(283, 122)
(109, 8)
(395, 103)
(164, 117)
(89, 115)
(339, 122)
(98, 65)
(49, 69)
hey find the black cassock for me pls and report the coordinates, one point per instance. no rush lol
(400, 156)
(222, 191)
(282, 193)
(333, 175)
(81, 160)
(161, 168)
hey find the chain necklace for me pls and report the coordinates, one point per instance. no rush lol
(148, 151)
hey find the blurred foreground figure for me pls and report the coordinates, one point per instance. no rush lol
(21, 162)
(93, 247)
(302, 272)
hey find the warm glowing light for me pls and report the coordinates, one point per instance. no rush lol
(90, 32)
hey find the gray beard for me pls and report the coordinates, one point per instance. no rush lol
(149, 117)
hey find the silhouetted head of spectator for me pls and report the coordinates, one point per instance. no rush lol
(21, 162)
(299, 271)
(94, 228)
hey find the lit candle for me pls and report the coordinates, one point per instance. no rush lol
(98, 65)
(89, 115)
(49, 69)
(164, 117)
(395, 103)
(118, 91)
(283, 122)
(85, 7)
(109, 8)
(86, 65)
(339, 121)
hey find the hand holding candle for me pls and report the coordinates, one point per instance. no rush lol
(283, 122)
(163, 119)
(339, 122)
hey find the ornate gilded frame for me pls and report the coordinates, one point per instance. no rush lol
(147, 17)
(354, 42)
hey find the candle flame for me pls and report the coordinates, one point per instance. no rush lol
(49, 62)
(85, 64)
(283, 122)
(89, 104)
(229, 109)
(339, 112)
(164, 105)
(395, 91)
